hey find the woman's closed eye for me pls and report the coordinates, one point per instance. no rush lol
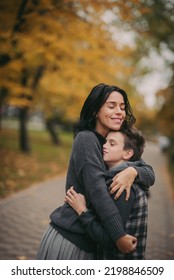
(122, 108)
(111, 106)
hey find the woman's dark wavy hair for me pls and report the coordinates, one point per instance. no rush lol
(95, 100)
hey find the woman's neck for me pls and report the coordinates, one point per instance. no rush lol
(104, 132)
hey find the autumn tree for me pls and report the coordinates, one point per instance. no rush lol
(160, 30)
(53, 52)
(165, 115)
(152, 25)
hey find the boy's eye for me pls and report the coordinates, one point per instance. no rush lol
(112, 143)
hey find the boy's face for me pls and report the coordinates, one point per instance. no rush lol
(113, 152)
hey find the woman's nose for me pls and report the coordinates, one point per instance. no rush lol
(118, 109)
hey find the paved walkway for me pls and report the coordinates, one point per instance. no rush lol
(160, 242)
(25, 215)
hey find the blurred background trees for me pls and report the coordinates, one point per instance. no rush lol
(52, 52)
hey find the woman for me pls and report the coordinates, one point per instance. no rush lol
(106, 108)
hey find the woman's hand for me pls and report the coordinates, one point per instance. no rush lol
(126, 244)
(76, 200)
(123, 181)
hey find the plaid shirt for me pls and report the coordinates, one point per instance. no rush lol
(136, 226)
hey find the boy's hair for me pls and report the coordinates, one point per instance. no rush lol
(135, 141)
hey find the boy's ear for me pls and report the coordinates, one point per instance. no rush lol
(128, 154)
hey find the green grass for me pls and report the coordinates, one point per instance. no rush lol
(19, 170)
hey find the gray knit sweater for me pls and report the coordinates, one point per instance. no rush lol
(86, 173)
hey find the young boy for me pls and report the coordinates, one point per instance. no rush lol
(122, 149)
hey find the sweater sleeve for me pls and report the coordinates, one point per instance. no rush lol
(92, 174)
(146, 175)
(94, 227)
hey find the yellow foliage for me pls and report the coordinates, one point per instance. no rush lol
(19, 102)
(77, 52)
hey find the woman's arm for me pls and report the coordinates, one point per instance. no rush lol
(89, 220)
(146, 175)
(140, 171)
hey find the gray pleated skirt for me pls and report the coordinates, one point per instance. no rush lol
(55, 247)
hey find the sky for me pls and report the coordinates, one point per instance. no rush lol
(159, 76)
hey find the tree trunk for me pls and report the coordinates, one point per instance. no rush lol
(23, 133)
(50, 124)
(23, 112)
(0, 117)
(19, 17)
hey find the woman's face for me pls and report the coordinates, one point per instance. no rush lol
(111, 115)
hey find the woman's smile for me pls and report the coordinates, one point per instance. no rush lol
(117, 120)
